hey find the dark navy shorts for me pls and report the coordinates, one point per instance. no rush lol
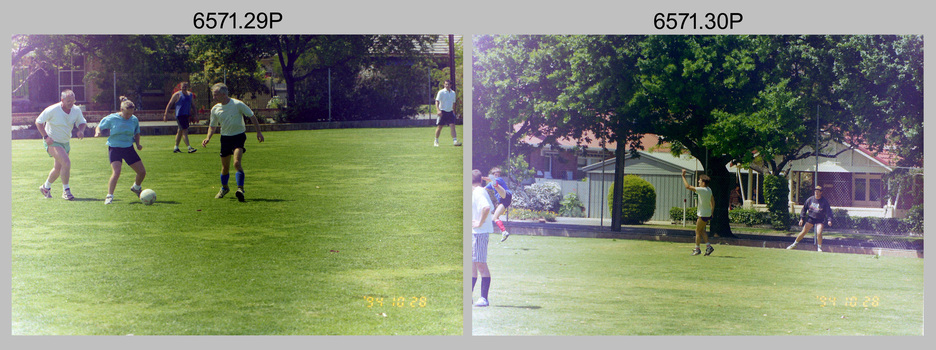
(506, 200)
(446, 118)
(183, 121)
(230, 143)
(127, 154)
(706, 218)
(815, 221)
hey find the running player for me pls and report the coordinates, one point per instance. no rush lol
(504, 197)
(55, 124)
(229, 114)
(124, 132)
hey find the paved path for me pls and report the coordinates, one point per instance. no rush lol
(594, 228)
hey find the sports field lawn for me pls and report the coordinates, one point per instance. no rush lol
(351, 231)
(582, 286)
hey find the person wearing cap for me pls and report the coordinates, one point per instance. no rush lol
(816, 212)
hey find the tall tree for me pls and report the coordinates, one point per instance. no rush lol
(302, 58)
(231, 59)
(555, 87)
(141, 61)
(686, 83)
(880, 79)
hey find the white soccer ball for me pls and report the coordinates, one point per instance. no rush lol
(148, 196)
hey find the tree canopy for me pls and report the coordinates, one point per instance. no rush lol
(753, 100)
(392, 71)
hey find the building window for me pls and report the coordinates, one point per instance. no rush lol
(72, 77)
(866, 190)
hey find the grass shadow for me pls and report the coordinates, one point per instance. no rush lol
(519, 307)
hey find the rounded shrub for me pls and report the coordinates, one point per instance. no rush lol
(639, 200)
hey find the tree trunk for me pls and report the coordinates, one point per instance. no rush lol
(617, 195)
(721, 184)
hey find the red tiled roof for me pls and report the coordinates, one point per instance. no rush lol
(649, 142)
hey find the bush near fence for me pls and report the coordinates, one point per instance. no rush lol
(571, 206)
(676, 214)
(541, 196)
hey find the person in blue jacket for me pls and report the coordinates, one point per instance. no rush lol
(124, 133)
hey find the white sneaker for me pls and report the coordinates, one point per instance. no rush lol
(108, 199)
(819, 249)
(456, 143)
(481, 302)
(435, 143)
(505, 235)
(792, 246)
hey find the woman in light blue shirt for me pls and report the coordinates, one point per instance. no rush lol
(124, 132)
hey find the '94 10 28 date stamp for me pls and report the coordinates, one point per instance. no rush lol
(400, 302)
(850, 301)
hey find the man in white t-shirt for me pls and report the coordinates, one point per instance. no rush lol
(445, 104)
(481, 228)
(229, 115)
(55, 124)
(706, 203)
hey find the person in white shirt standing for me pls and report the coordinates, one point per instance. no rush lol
(445, 103)
(481, 228)
(55, 124)
(704, 212)
(229, 115)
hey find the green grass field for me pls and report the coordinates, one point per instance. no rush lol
(351, 231)
(581, 286)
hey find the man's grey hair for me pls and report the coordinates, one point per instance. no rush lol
(220, 87)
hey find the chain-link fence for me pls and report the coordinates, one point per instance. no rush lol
(393, 90)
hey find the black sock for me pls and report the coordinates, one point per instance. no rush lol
(485, 285)
(473, 281)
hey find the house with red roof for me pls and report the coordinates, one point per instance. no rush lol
(854, 180)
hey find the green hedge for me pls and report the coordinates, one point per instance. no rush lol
(840, 220)
(676, 214)
(748, 217)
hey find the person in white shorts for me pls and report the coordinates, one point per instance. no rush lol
(704, 212)
(481, 228)
(55, 124)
